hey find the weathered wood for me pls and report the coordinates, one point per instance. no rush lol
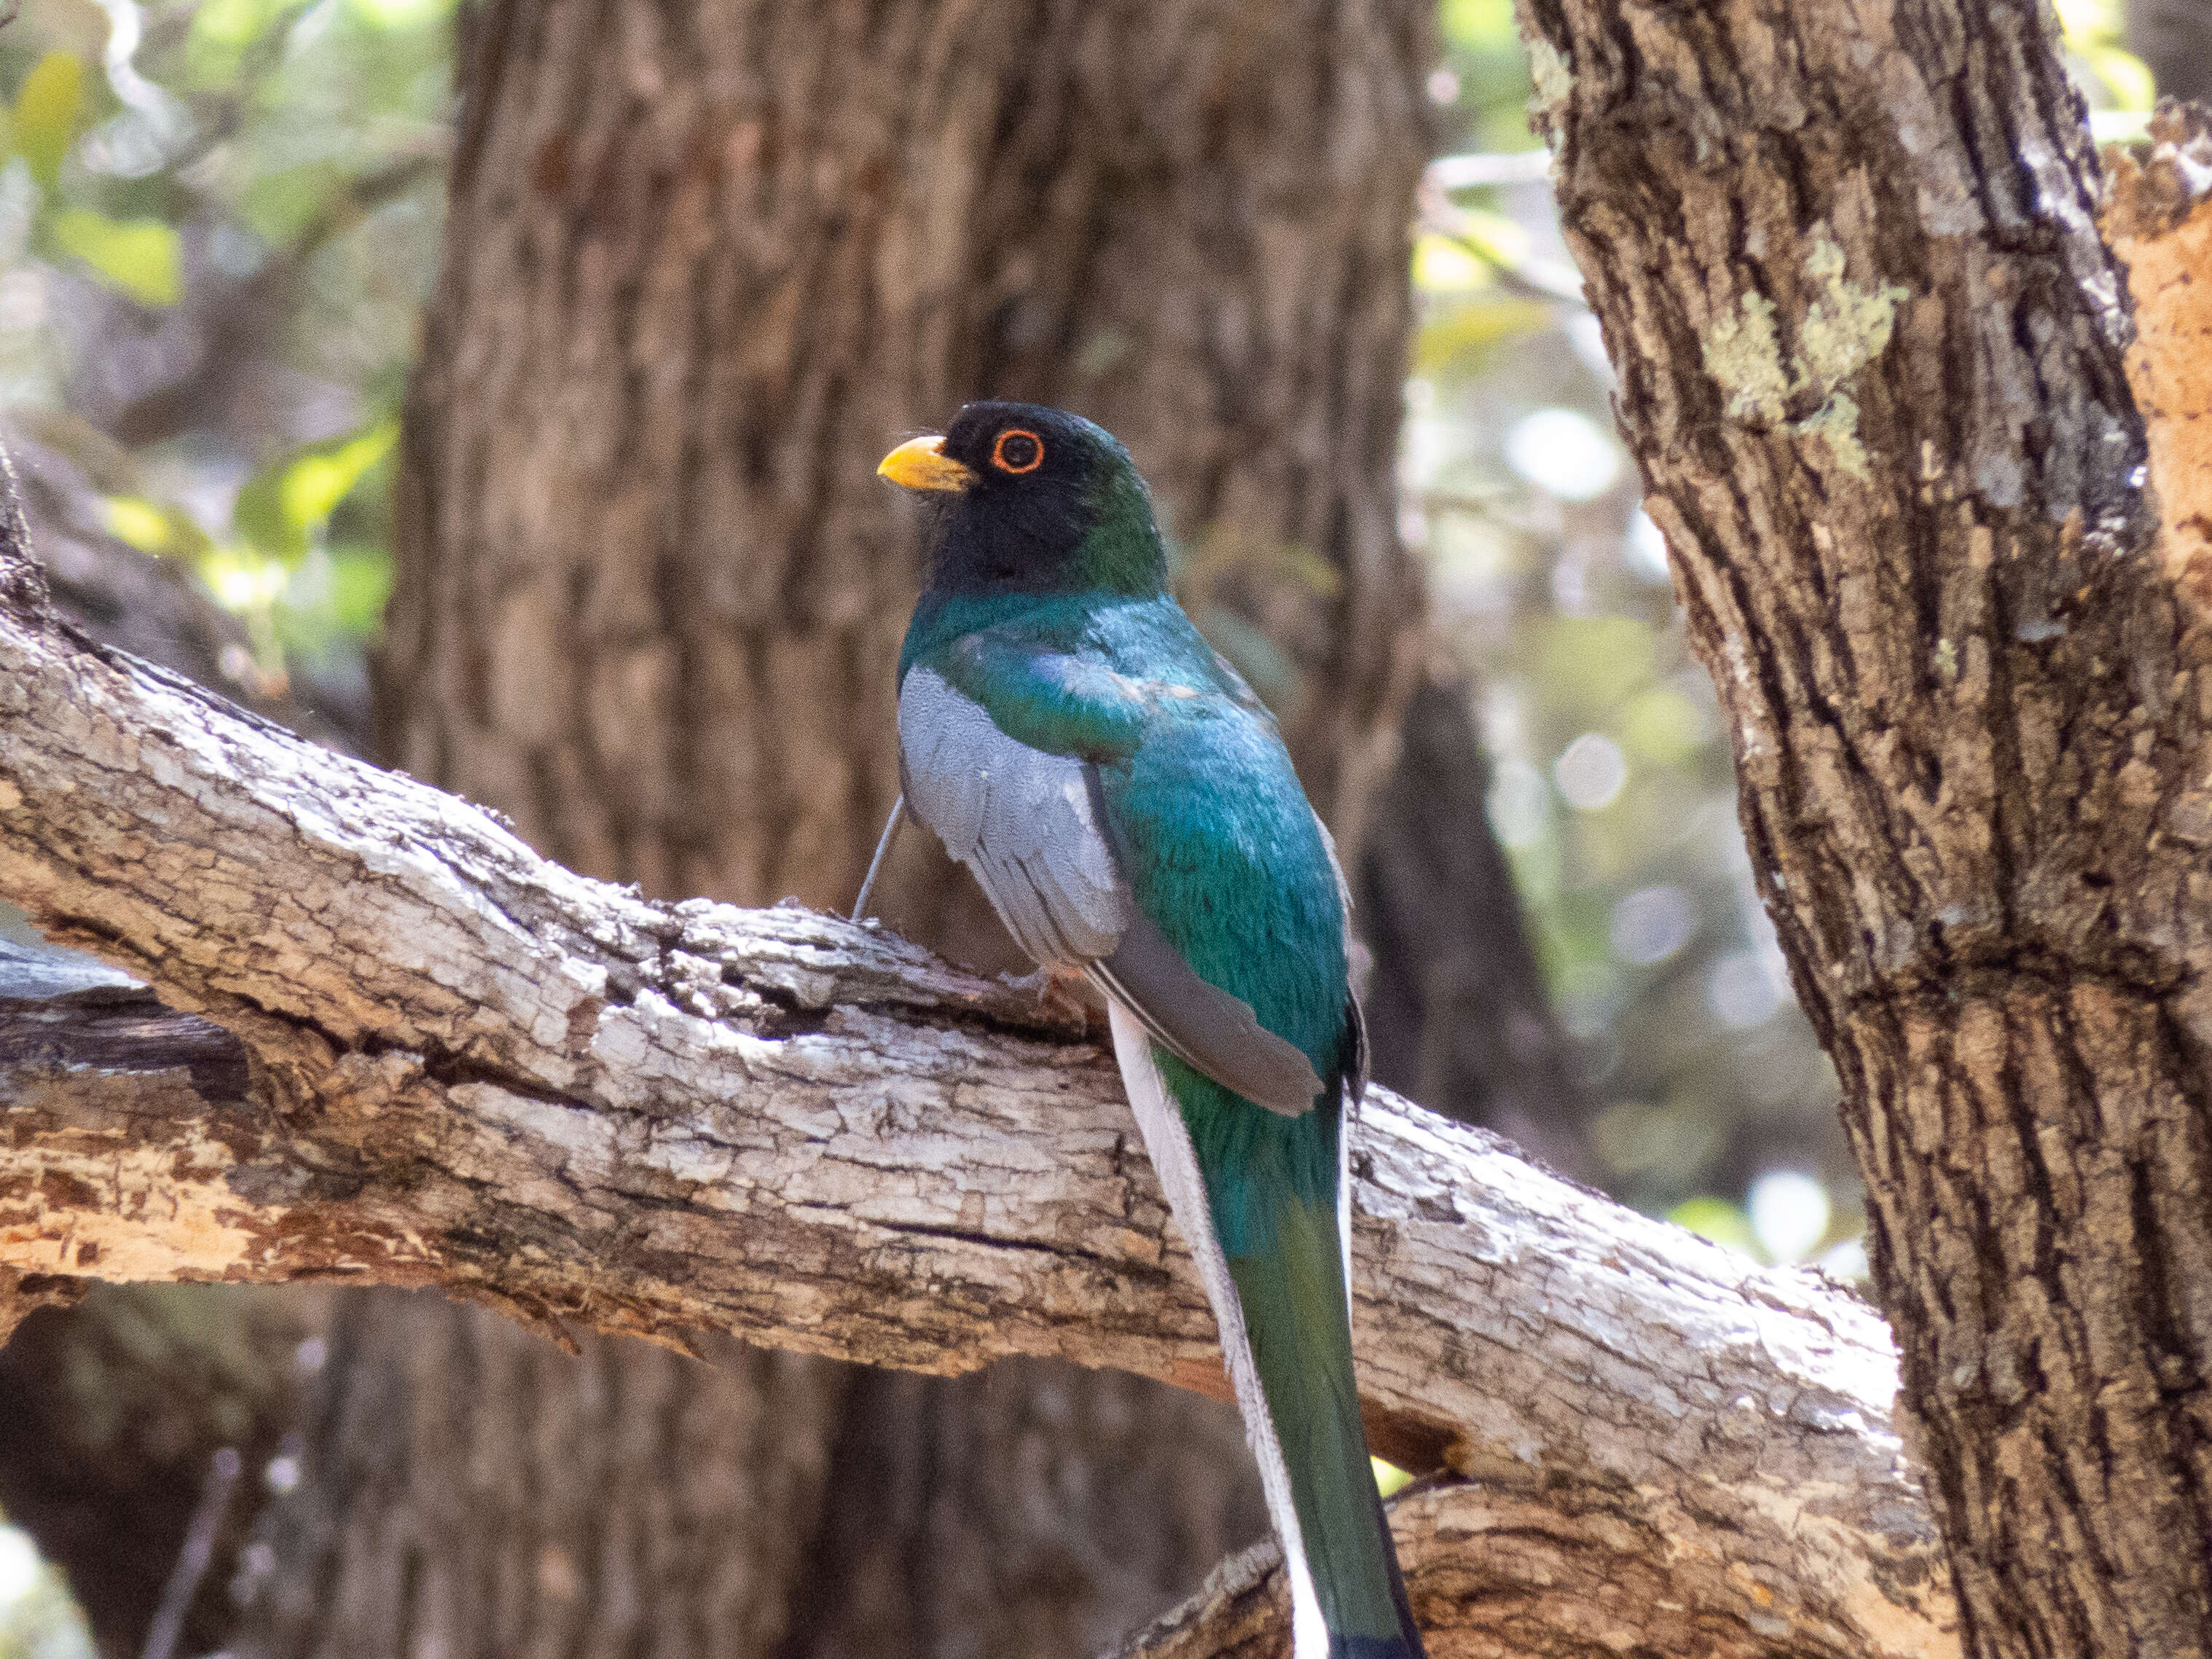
(472, 1069)
(1871, 355)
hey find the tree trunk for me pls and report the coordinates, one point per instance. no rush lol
(1034, 1508)
(474, 1491)
(1871, 353)
(708, 263)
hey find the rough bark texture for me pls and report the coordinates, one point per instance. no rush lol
(473, 1069)
(708, 262)
(477, 1491)
(1871, 358)
(116, 1405)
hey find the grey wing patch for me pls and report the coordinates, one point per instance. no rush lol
(1033, 829)
(1202, 1026)
(1025, 823)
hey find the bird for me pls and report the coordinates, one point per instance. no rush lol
(1129, 809)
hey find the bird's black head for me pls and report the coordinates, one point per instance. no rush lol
(1034, 500)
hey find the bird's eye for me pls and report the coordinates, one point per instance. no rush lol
(1018, 450)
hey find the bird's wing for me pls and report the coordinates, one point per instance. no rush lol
(1355, 1018)
(1203, 1026)
(1023, 821)
(1033, 828)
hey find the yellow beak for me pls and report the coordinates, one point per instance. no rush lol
(921, 464)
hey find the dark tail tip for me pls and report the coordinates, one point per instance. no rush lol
(1373, 1647)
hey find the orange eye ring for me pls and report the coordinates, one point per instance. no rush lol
(1027, 454)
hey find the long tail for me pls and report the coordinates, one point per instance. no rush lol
(1257, 1193)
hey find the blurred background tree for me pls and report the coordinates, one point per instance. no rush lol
(699, 271)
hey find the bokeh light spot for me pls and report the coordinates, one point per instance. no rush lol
(1790, 1213)
(19, 1565)
(1651, 924)
(1590, 772)
(1565, 452)
(1519, 803)
(1742, 992)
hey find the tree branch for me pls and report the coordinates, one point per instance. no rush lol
(467, 1067)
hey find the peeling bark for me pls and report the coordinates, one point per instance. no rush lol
(472, 1069)
(1872, 360)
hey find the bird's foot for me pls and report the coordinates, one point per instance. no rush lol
(1065, 995)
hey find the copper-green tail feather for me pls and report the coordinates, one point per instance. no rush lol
(1271, 1184)
(1294, 1320)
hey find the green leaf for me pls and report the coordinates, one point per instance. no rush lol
(401, 14)
(154, 527)
(2126, 76)
(361, 587)
(2088, 20)
(1478, 25)
(278, 204)
(283, 504)
(241, 579)
(47, 108)
(1471, 326)
(320, 480)
(140, 523)
(1716, 1219)
(143, 257)
(222, 30)
(1661, 725)
(1590, 665)
(258, 516)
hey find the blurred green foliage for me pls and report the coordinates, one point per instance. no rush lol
(142, 257)
(218, 222)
